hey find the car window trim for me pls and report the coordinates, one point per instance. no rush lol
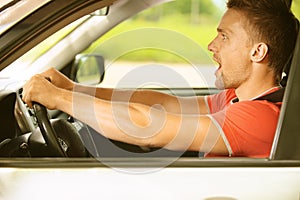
(43, 23)
(16, 11)
(140, 162)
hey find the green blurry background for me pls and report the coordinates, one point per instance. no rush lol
(195, 19)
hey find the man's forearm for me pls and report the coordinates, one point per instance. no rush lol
(146, 97)
(170, 103)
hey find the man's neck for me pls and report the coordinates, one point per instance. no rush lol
(246, 91)
(261, 80)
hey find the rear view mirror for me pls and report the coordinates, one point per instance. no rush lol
(101, 12)
(88, 69)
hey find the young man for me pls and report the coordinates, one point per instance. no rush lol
(254, 42)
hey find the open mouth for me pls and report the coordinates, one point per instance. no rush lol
(217, 60)
(218, 71)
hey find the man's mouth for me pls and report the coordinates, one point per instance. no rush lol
(217, 60)
(218, 71)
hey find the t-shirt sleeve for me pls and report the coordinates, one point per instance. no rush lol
(248, 127)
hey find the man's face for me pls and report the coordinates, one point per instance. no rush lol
(231, 50)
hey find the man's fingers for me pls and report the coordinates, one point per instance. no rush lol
(37, 89)
(28, 90)
(25, 96)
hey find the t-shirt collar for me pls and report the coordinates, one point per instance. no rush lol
(273, 89)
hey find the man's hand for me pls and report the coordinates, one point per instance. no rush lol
(58, 79)
(39, 89)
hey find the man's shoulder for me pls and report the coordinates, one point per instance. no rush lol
(262, 108)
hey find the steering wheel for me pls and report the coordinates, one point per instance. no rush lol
(48, 131)
(61, 137)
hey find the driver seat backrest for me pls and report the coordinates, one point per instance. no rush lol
(286, 141)
(286, 69)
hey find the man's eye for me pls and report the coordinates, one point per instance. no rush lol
(224, 37)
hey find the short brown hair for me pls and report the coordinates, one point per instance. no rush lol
(271, 22)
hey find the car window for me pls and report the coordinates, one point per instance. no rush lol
(25, 61)
(149, 50)
(296, 8)
(164, 47)
(174, 54)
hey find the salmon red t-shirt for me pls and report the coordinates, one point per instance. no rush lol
(247, 127)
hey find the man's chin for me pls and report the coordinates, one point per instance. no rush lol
(219, 84)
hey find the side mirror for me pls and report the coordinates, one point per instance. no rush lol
(88, 69)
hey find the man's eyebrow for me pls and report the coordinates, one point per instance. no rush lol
(221, 30)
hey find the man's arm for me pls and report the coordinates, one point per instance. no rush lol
(130, 122)
(170, 103)
(144, 125)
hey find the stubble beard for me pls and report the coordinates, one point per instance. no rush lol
(223, 82)
(219, 83)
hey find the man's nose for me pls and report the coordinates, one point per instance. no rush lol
(211, 46)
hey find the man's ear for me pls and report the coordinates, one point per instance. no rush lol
(259, 52)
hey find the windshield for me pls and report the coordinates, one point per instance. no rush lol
(151, 42)
(21, 70)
